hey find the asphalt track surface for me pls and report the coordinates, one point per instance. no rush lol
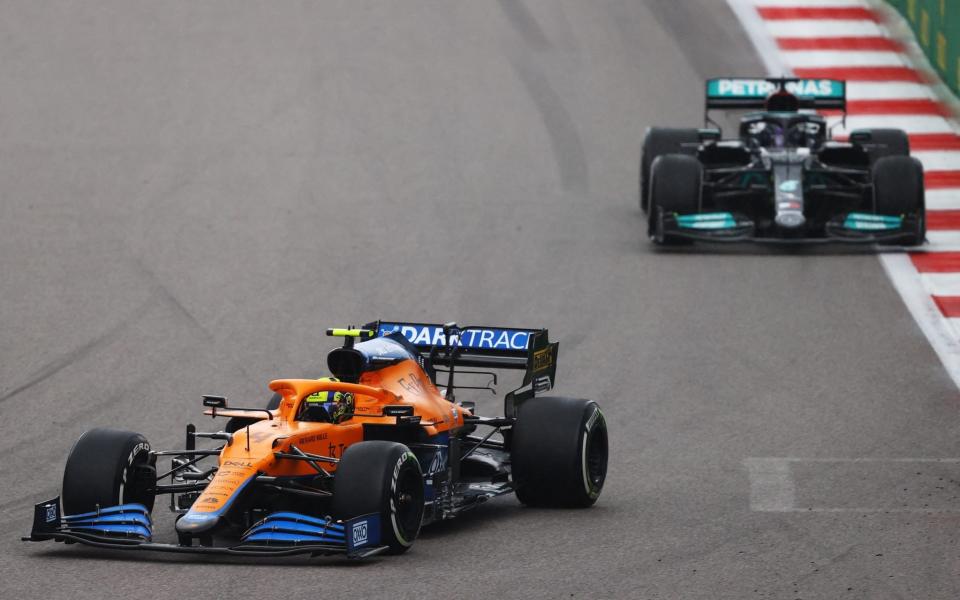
(192, 192)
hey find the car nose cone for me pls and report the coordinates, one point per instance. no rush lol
(193, 523)
(790, 220)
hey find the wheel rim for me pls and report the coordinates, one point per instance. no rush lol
(597, 458)
(408, 503)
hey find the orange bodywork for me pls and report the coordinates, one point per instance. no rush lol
(251, 451)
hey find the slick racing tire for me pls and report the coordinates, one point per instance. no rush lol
(898, 191)
(238, 423)
(886, 142)
(108, 467)
(657, 142)
(675, 187)
(381, 477)
(559, 452)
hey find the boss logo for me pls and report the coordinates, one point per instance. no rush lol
(360, 533)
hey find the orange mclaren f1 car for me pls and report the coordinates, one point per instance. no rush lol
(398, 451)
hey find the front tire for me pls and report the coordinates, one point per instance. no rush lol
(108, 467)
(675, 187)
(381, 477)
(559, 452)
(657, 142)
(898, 189)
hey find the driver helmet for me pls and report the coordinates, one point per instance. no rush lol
(770, 135)
(338, 406)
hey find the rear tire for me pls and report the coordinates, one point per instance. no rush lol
(559, 452)
(108, 467)
(675, 187)
(888, 142)
(657, 142)
(898, 190)
(381, 477)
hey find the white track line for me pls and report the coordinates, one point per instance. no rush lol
(941, 284)
(771, 484)
(942, 337)
(943, 199)
(893, 90)
(820, 29)
(943, 240)
(798, 59)
(767, 49)
(817, 3)
(939, 160)
(772, 487)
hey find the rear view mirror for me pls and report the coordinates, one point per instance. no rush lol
(861, 137)
(709, 135)
(214, 401)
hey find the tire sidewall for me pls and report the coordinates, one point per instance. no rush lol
(657, 142)
(99, 471)
(594, 425)
(550, 452)
(684, 175)
(369, 479)
(898, 188)
(404, 464)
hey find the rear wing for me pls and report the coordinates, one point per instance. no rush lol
(483, 347)
(733, 93)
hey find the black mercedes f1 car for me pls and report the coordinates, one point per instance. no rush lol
(783, 179)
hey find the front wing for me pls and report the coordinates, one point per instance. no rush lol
(850, 228)
(128, 527)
